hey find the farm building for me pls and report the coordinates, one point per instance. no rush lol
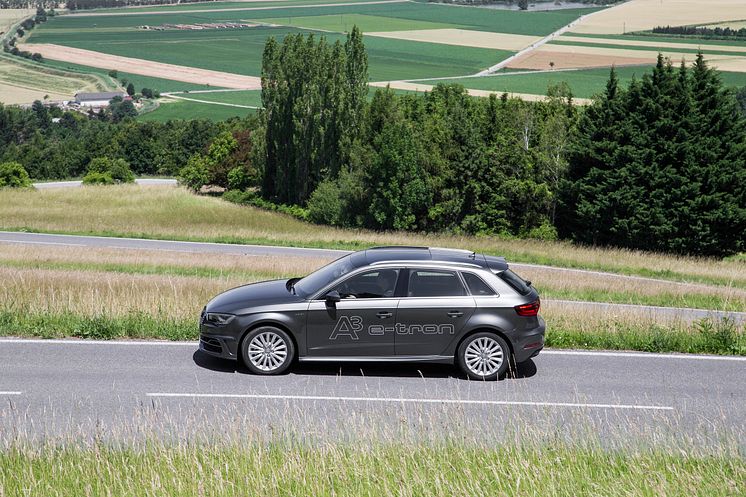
(101, 99)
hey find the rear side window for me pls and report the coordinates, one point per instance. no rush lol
(476, 285)
(430, 283)
(515, 281)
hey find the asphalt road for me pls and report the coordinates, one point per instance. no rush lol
(328, 254)
(114, 389)
(71, 184)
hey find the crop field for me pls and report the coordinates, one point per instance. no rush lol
(140, 81)
(22, 80)
(183, 109)
(174, 213)
(251, 98)
(644, 15)
(240, 51)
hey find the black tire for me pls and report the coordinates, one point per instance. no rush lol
(270, 360)
(493, 346)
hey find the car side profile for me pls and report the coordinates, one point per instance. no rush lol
(405, 304)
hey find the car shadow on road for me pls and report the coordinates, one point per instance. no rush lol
(374, 369)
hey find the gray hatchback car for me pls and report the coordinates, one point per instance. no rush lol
(403, 304)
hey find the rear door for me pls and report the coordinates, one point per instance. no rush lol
(362, 324)
(435, 309)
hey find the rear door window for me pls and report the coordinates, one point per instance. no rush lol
(434, 283)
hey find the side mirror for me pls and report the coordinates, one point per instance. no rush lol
(332, 297)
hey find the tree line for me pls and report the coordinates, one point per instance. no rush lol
(702, 31)
(52, 144)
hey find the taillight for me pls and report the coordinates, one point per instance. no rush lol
(528, 310)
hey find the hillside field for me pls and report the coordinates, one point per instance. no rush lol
(174, 213)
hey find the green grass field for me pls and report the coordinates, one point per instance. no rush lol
(342, 23)
(240, 51)
(221, 5)
(193, 110)
(498, 21)
(240, 97)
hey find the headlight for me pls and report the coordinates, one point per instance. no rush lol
(217, 319)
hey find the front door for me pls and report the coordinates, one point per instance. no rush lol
(434, 311)
(362, 323)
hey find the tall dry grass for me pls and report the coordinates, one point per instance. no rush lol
(166, 212)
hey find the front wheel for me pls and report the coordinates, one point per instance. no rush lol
(267, 350)
(484, 356)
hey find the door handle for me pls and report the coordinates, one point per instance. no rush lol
(455, 314)
(384, 314)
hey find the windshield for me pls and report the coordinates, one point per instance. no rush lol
(321, 278)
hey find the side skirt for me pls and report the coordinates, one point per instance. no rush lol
(438, 359)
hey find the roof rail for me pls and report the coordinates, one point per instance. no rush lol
(394, 247)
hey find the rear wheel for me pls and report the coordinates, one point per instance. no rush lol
(267, 350)
(484, 356)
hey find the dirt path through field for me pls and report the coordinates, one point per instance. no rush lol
(144, 67)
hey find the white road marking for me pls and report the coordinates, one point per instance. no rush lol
(412, 400)
(43, 243)
(11, 393)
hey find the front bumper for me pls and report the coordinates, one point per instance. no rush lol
(222, 346)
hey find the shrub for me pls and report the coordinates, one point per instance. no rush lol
(13, 175)
(238, 179)
(96, 178)
(195, 173)
(326, 205)
(118, 169)
(251, 198)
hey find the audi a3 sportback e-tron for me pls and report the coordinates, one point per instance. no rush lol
(406, 304)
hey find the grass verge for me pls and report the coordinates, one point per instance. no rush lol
(406, 468)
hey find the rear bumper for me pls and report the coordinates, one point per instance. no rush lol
(529, 343)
